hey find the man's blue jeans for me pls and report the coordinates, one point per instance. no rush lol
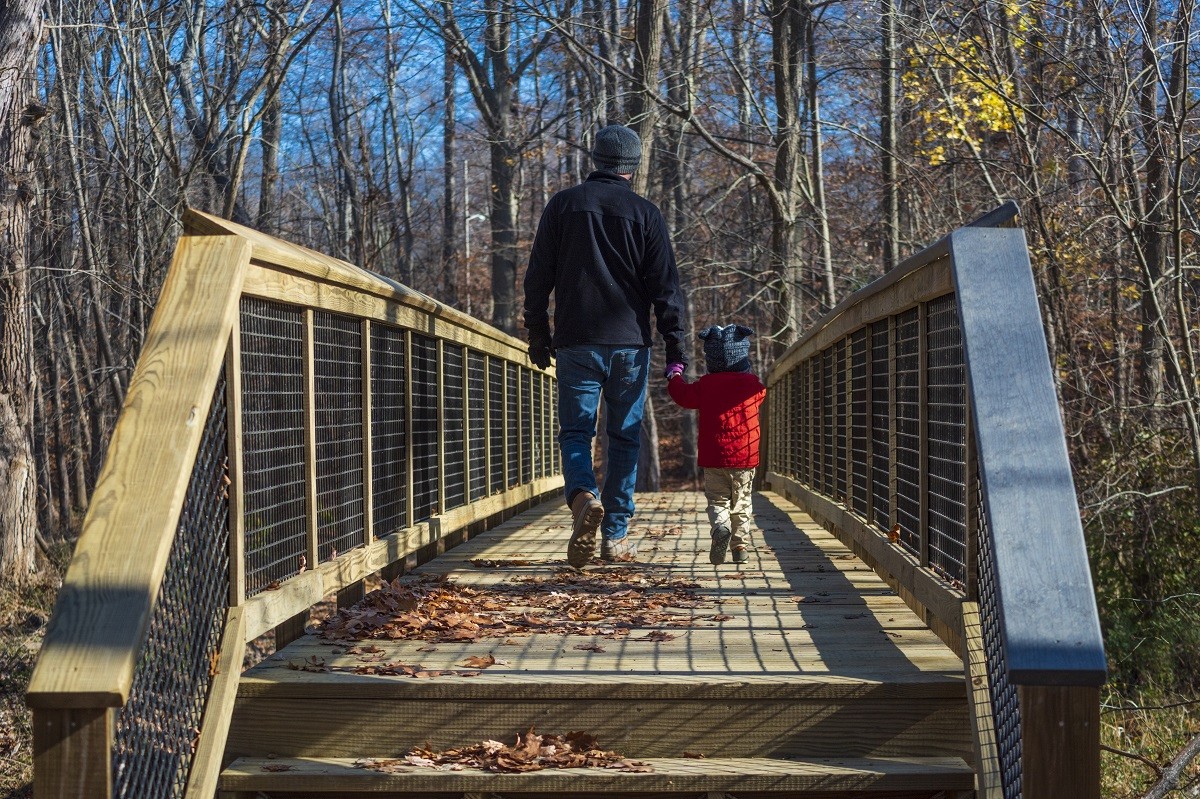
(619, 374)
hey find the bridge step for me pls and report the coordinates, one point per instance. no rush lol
(801, 653)
(797, 779)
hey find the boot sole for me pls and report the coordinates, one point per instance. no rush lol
(720, 545)
(583, 537)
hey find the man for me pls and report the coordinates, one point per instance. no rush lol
(604, 253)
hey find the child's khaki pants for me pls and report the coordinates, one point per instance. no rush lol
(728, 492)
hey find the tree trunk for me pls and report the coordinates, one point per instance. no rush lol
(786, 46)
(450, 293)
(20, 37)
(887, 138)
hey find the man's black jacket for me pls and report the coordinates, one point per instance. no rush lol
(605, 253)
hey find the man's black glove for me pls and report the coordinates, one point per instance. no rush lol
(675, 354)
(540, 350)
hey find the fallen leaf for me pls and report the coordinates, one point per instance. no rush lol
(590, 647)
(480, 661)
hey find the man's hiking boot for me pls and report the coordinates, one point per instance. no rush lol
(720, 543)
(586, 511)
(620, 549)
(740, 555)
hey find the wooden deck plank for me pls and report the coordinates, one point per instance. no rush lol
(786, 617)
(801, 652)
(675, 775)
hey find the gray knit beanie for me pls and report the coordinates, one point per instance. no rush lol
(617, 149)
(726, 349)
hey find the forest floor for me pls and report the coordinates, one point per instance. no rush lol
(24, 613)
(1147, 738)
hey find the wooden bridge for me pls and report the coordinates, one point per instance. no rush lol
(916, 618)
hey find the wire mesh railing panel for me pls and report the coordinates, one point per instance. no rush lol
(1006, 708)
(338, 403)
(797, 425)
(477, 443)
(423, 374)
(859, 418)
(526, 445)
(547, 427)
(156, 729)
(555, 451)
(514, 399)
(828, 421)
(908, 429)
(454, 466)
(787, 415)
(881, 425)
(947, 440)
(841, 423)
(273, 442)
(496, 432)
(389, 430)
(536, 407)
(811, 377)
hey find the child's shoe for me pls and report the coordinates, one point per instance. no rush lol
(720, 543)
(618, 549)
(740, 555)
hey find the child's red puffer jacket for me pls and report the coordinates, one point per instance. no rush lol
(729, 427)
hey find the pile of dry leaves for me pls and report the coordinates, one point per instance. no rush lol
(433, 609)
(530, 752)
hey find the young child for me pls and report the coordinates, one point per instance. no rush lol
(728, 399)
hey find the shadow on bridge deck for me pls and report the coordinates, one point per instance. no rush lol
(801, 652)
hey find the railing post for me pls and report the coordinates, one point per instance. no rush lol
(368, 443)
(409, 450)
(1060, 741)
(891, 323)
(440, 370)
(236, 473)
(869, 434)
(72, 752)
(310, 439)
(923, 430)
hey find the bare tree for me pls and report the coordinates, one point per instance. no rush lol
(20, 37)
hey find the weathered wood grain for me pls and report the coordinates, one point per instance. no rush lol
(683, 776)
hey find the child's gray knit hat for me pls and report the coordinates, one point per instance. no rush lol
(727, 349)
(617, 149)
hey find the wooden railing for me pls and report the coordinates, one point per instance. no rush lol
(918, 420)
(295, 424)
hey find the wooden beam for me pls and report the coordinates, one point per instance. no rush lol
(237, 482)
(104, 606)
(218, 712)
(72, 753)
(368, 463)
(337, 285)
(311, 517)
(1060, 741)
(979, 702)
(926, 276)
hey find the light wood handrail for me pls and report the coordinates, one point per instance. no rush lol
(88, 657)
(1017, 494)
(88, 662)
